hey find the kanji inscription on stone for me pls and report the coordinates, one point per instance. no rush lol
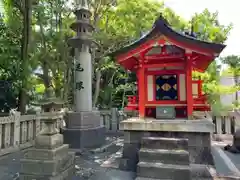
(79, 85)
(79, 67)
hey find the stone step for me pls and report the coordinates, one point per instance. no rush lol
(179, 157)
(198, 171)
(163, 171)
(164, 143)
(142, 178)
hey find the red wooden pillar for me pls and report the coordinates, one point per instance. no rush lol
(199, 87)
(141, 91)
(189, 87)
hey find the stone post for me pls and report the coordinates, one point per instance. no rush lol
(16, 134)
(83, 126)
(114, 122)
(83, 80)
(38, 123)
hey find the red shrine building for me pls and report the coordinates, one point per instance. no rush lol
(163, 61)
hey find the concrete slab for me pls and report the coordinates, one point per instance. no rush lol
(176, 125)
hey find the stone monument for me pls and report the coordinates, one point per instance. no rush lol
(49, 158)
(83, 126)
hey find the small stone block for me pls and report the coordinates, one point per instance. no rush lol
(178, 157)
(83, 120)
(164, 143)
(47, 154)
(48, 142)
(46, 167)
(163, 171)
(67, 174)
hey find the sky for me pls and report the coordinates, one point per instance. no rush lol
(229, 12)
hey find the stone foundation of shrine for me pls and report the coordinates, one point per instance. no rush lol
(84, 130)
(198, 133)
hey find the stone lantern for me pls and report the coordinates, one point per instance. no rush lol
(50, 103)
(49, 158)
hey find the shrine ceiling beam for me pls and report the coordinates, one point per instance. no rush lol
(165, 72)
(162, 65)
(194, 49)
(161, 61)
(149, 57)
(143, 49)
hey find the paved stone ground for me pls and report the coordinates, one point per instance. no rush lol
(100, 165)
(89, 165)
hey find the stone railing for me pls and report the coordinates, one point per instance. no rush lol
(227, 123)
(18, 132)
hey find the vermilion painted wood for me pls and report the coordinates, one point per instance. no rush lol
(199, 83)
(165, 72)
(141, 90)
(137, 60)
(189, 86)
(163, 57)
(205, 56)
(142, 48)
(164, 65)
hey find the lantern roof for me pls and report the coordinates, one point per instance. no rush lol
(50, 99)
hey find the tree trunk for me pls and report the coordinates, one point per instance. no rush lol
(46, 77)
(22, 101)
(97, 87)
(67, 84)
(26, 33)
(236, 84)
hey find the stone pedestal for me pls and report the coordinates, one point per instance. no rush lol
(49, 159)
(84, 130)
(198, 133)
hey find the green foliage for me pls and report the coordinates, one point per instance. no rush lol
(233, 63)
(227, 72)
(117, 23)
(208, 28)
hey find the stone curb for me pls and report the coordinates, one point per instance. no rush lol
(228, 162)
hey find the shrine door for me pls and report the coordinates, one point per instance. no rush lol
(166, 87)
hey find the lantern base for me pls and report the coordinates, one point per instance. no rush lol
(84, 130)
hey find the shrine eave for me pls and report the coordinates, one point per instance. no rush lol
(161, 27)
